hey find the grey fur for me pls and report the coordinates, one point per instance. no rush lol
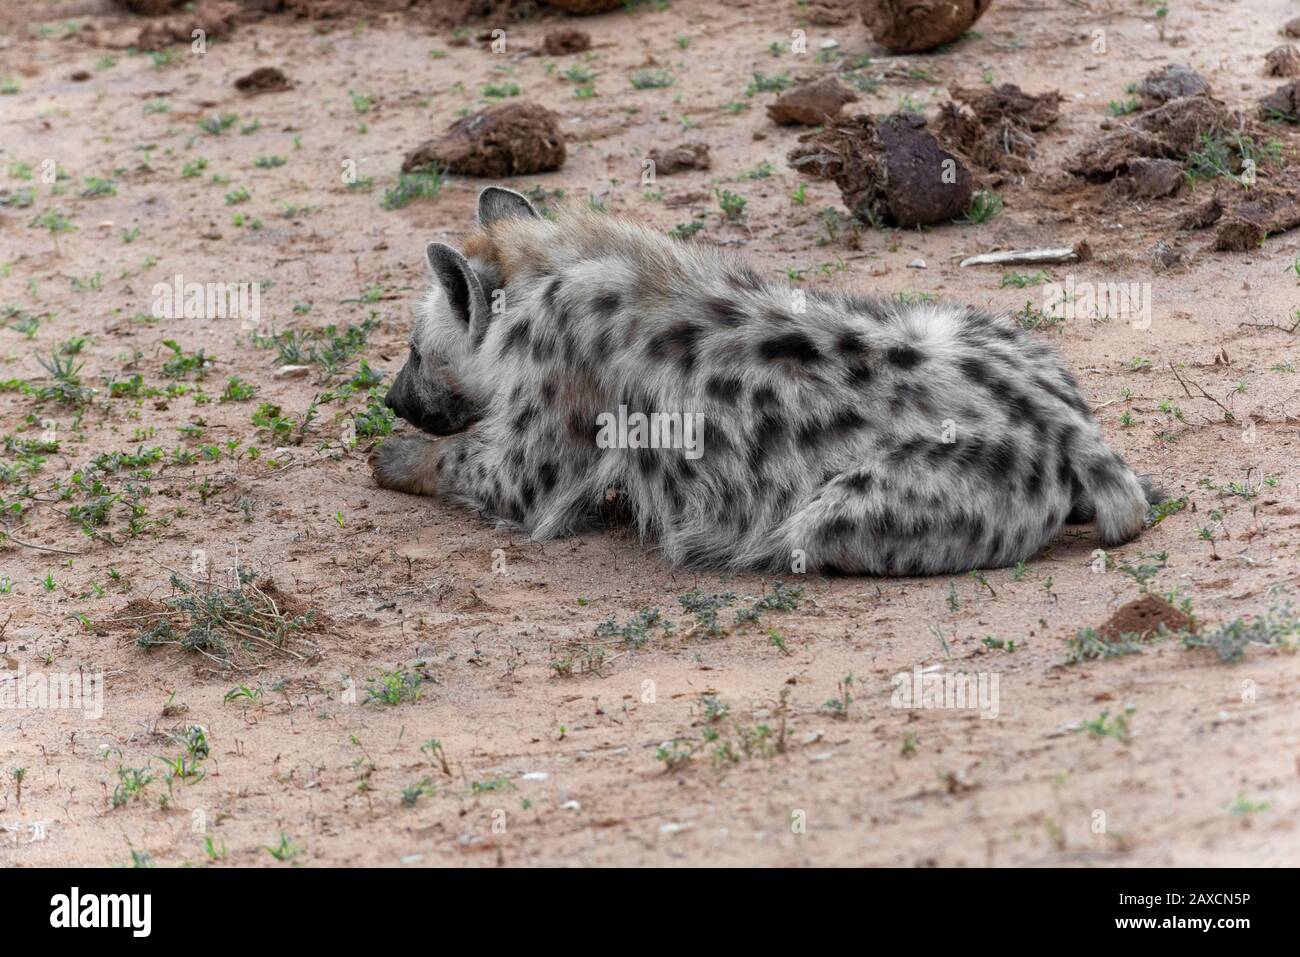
(865, 435)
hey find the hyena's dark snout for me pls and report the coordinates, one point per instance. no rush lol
(397, 398)
(429, 405)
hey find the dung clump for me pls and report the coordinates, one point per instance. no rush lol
(684, 156)
(813, 104)
(1282, 61)
(1169, 131)
(1266, 211)
(1282, 104)
(265, 79)
(890, 170)
(566, 41)
(508, 139)
(1172, 82)
(995, 128)
(912, 26)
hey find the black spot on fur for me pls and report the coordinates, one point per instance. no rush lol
(838, 529)
(835, 428)
(524, 418)
(859, 374)
(975, 369)
(547, 475)
(723, 388)
(676, 342)
(904, 357)
(606, 304)
(859, 482)
(543, 348)
(550, 292)
(850, 343)
(724, 312)
(516, 336)
(793, 345)
(601, 350)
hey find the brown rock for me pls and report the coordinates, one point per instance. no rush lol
(681, 157)
(1267, 211)
(1283, 103)
(566, 41)
(889, 169)
(1292, 28)
(1282, 61)
(81, 76)
(1171, 82)
(1199, 217)
(1154, 178)
(265, 79)
(813, 104)
(910, 26)
(508, 139)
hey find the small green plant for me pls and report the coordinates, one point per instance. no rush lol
(686, 230)
(394, 687)
(98, 186)
(421, 184)
(361, 103)
(637, 629)
(286, 850)
(762, 83)
(1020, 280)
(733, 205)
(237, 390)
(217, 123)
(1104, 726)
(498, 91)
(984, 205)
(651, 79)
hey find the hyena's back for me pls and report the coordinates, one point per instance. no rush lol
(868, 436)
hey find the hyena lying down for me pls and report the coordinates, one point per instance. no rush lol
(861, 435)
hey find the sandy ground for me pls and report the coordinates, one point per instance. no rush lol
(554, 737)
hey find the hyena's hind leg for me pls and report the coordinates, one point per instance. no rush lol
(875, 520)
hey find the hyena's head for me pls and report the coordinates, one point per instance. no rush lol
(450, 323)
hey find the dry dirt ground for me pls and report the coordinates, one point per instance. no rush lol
(556, 744)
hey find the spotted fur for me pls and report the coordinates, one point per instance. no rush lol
(867, 436)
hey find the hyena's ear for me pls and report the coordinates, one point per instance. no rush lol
(464, 293)
(497, 202)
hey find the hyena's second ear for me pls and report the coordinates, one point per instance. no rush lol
(497, 202)
(464, 293)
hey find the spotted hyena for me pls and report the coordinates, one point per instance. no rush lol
(837, 432)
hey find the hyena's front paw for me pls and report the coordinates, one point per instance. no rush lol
(407, 463)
